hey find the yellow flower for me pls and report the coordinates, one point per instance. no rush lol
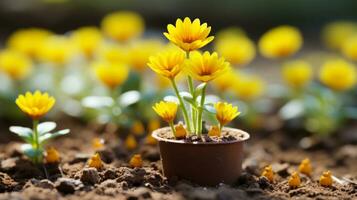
(206, 67)
(140, 52)
(111, 74)
(130, 143)
(123, 26)
(153, 125)
(281, 41)
(180, 131)
(338, 74)
(57, 50)
(225, 112)
(136, 161)
(349, 47)
(248, 87)
(137, 128)
(230, 32)
(35, 104)
(28, 41)
(326, 179)
(15, 64)
(297, 73)
(305, 167)
(236, 50)
(97, 143)
(214, 131)
(294, 180)
(87, 40)
(268, 173)
(168, 63)
(166, 110)
(113, 53)
(52, 155)
(336, 33)
(226, 81)
(189, 35)
(95, 161)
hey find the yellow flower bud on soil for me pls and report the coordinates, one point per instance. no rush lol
(180, 131)
(326, 179)
(305, 167)
(138, 128)
(52, 155)
(214, 131)
(268, 173)
(136, 161)
(130, 143)
(294, 180)
(95, 161)
(97, 143)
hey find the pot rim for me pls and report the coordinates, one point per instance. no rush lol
(155, 135)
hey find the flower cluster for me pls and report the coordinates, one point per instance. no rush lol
(203, 67)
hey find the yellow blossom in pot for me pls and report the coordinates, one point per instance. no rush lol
(338, 74)
(189, 35)
(167, 111)
(297, 73)
(280, 42)
(225, 113)
(28, 41)
(87, 40)
(111, 74)
(123, 26)
(14, 64)
(36, 105)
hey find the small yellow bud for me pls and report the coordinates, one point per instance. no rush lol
(153, 125)
(268, 173)
(130, 143)
(52, 155)
(138, 128)
(294, 180)
(180, 131)
(150, 140)
(95, 161)
(214, 131)
(305, 167)
(136, 161)
(97, 143)
(326, 179)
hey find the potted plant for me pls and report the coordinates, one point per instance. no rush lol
(188, 150)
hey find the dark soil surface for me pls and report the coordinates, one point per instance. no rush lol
(73, 179)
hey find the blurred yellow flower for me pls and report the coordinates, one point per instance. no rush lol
(326, 179)
(189, 35)
(150, 140)
(236, 50)
(180, 131)
(140, 52)
(111, 74)
(336, 33)
(214, 131)
(230, 32)
(130, 143)
(15, 64)
(297, 73)
(225, 112)
(226, 81)
(97, 143)
(153, 125)
(113, 53)
(95, 161)
(35, 104)
(206, 67)
(166, 110)
(249, 87)
(137, 128)
(28, 41)
(349, 47)
(268, 173)
(123, 26)
(294, 180)
(168, 63)
(279, 42)
(87, 40)
(338, 74)
(305, 167)
(136, 161)
(52, 155)
(57, 50)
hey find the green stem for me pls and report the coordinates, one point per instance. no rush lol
(184, 111)
(199, 119)
(172, 128)
(193, 111)
(37, 143)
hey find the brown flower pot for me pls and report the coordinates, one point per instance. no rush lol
(206, 164)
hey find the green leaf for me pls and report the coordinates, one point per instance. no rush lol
(210, 109)
(47, 136)
(129, 98)
(46, 127)
(24, 132)
(29, 151)
(97, 102)
(171, 98)
(199, 88)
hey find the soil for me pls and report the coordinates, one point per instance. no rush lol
(73, 179)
